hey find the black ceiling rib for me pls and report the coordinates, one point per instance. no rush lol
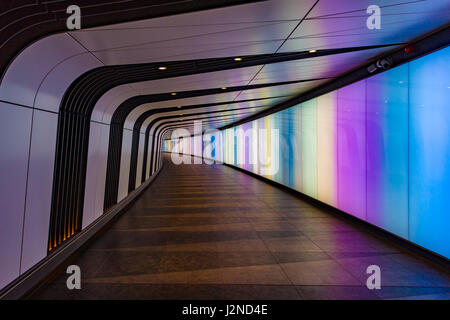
(24, 21)
(75, 112)
(138, 45)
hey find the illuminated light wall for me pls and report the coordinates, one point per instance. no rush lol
(429, 152)
(351, 149)
(378, 149)
(387, 150)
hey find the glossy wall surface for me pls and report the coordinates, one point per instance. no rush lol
(378, 149)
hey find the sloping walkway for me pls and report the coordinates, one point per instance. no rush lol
(212, 232)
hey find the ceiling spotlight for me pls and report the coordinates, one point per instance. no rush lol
(312, 51)
(162, 68)
(174, 93)
(238, 59)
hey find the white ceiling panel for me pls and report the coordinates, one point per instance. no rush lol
(336, 24)
(353, 8)
(187, 52)
(244, 29)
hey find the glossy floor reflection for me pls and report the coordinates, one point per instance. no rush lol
(212, 232)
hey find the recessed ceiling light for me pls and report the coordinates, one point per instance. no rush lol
(312, 51)
(174, 93)
(162, 68)
(237, 59)
(224, 88)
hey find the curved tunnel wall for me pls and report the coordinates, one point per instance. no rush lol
(55, 167)
(378, 149)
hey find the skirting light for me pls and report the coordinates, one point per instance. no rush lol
(312, 51)
(224, 88)
(174, 93)
(162, 68)
(237, 59)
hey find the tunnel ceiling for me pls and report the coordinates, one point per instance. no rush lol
(197, 46)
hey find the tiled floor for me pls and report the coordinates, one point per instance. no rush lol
(212, 232)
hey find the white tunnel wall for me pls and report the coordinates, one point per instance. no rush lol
(95, 172)
(26, 182)
(30, 97)
(15, 139)
(28, 137)
(39, 188)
